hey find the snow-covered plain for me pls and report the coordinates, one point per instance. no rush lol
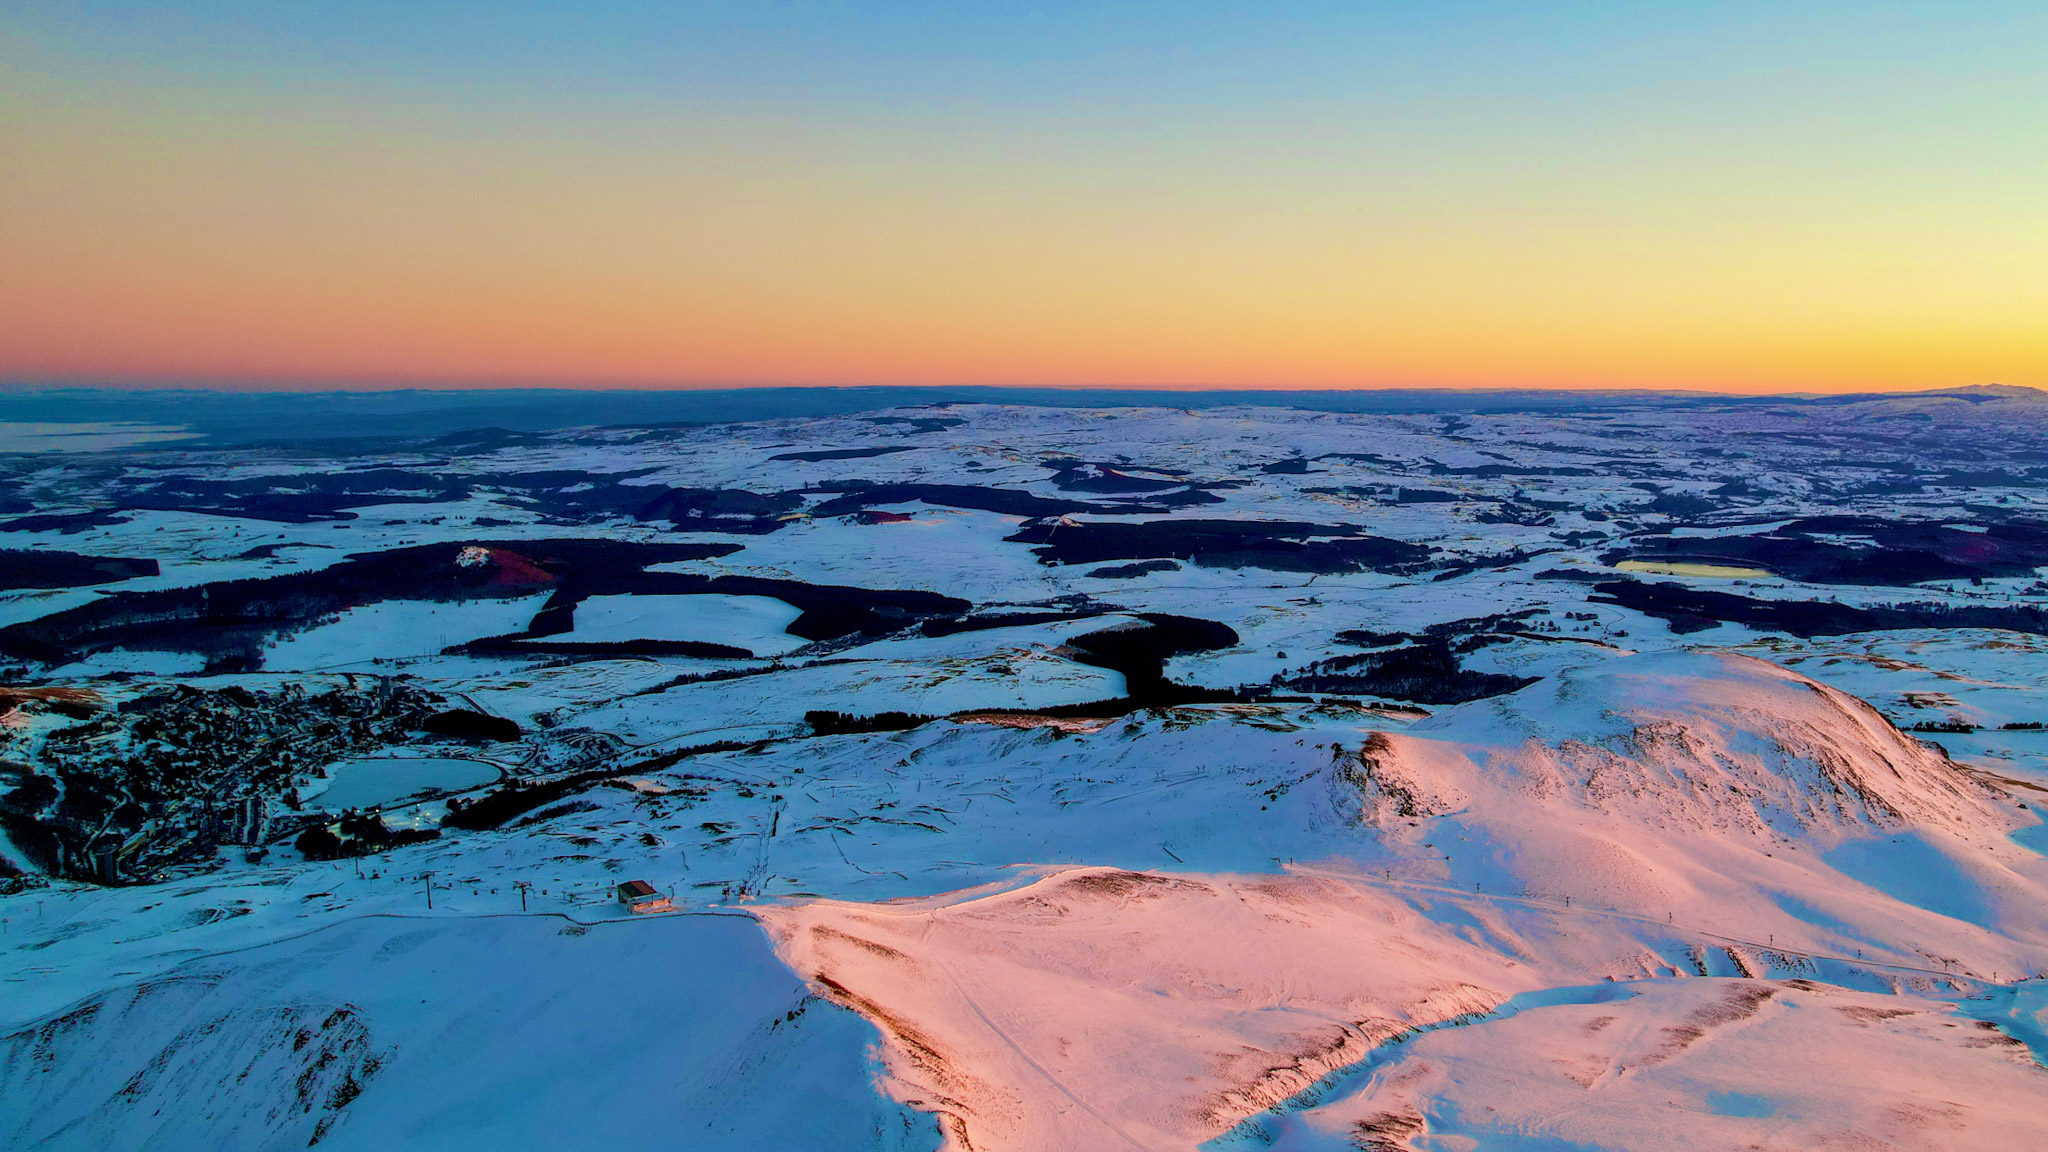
(361, 638)
(1595, 878)
(756, 623)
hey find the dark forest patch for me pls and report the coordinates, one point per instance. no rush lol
(294, 498)
(1000, 620)
(1073, 475)
(1383, 492)
(470, 724)
(69, 523)
(270, 551)
(576, 498)
(1140, 653)
(1575, 575)
(852, 496)
(1691, 610)
(720, 509)
(494, 808)
(1468, 565)
(1367, 638)
(20, 569)
(229, 621)
(825, 722)
(1680, 505)
(825, 612)
(1131, 571)
(823, 454)
(1425, 496)
(849, 496)
(1421, 667)
(561, 496)
(1497, 471)
(1373, 459)
(518, 646)
(918, 425)
(1896, 554)
(1425, 672)
(1278, 545)
(1519, 515)
(1189, 497)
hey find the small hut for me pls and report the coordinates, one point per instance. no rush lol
(640, 896)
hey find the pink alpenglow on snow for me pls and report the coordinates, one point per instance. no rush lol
(1609, 897)
(1694, 1066)
(1105, 1008)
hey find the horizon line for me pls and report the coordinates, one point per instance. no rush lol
(310, 388)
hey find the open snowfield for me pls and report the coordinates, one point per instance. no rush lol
(1662, 776)
(756, 623)
(361, 638)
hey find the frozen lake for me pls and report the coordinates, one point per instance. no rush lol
(374, 781)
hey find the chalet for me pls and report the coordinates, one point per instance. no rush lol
(640, 896)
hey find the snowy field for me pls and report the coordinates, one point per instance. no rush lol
(1656, 776)
(756, 623)
(393, 631)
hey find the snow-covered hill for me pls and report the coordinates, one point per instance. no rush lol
(1653, 775)
(1649, 819)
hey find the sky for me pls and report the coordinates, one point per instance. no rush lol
(1726, 196)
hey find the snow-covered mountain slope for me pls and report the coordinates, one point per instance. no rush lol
(1721, 790)
(1378, 874)
(1106, 1008)
(1721, 741)
(1622, 822)
(1037, 778)
(1691, 1066)
(460, 1033)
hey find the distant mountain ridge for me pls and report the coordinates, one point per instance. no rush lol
(270, 417)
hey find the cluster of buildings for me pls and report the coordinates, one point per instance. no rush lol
(169, 776)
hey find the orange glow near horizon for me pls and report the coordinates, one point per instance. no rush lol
(246, 246)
